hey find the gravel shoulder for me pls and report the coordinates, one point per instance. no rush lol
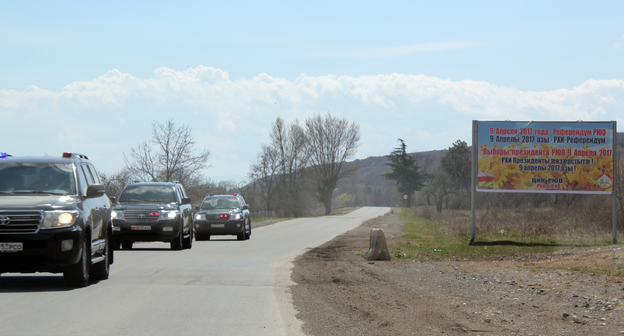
(338, 292)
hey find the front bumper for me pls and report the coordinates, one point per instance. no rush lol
(163, 230)
(219, 228)
(41, 251)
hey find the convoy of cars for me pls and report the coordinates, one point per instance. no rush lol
(55, 217)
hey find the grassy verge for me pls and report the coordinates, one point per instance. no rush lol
(425, 239)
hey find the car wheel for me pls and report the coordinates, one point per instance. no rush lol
(188, 242)
(101, 270)
(116, 244)
(127, 245)
(77, 275)
(249, 229)
(178, 242)
(242, 235)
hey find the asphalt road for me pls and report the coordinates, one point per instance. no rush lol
(219, 287)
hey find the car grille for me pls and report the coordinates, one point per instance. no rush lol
(20, 221)
(142, 216)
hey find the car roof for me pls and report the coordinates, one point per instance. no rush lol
(166, 184)
(222, 196)
(39, 159)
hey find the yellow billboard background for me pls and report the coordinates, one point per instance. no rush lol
(592, 173)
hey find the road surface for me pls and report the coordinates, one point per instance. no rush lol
(219, 287)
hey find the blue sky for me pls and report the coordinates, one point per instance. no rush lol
(92, 76)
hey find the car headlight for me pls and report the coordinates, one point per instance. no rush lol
(59, 218)
(200, 216)
(118, 214)
(171, 214)
(236, 216)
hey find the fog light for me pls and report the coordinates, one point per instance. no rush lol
(197, 226)
(168, 228)
(67, 245)
(238, 225)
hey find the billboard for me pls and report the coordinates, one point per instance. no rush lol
(544, 156)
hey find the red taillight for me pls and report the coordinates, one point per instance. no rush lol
(67, 154)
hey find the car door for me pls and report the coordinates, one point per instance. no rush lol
(185, 209)
(94, 204)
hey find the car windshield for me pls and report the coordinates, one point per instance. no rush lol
(148, 194)
(220, 203)
(31, 178)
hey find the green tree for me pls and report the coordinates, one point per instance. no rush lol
(406, 174)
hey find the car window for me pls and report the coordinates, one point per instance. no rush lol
(94, 174)
(148, 194)
(220, 203)
(37, 177)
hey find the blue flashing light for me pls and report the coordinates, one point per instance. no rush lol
(211, 194)
(4, 155)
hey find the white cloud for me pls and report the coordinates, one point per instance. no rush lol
(107, 116)
(619, 44)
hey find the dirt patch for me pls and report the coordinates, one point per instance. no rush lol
(338, 292)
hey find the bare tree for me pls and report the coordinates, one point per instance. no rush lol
(265, 174)
(290, 143)
(439, 187)
(115, 182)
(172, 158)
(331, 141)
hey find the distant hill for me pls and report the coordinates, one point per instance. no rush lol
(370, 188)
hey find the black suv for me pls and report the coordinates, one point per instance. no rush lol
(54, 217)
(223, 215)
(153, 211)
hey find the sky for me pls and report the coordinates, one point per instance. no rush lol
(92, 77)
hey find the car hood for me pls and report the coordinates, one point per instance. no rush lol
(146, 206)
(36, 202)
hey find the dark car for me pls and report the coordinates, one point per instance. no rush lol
(223, 215)
(153, 211)
(54, 217)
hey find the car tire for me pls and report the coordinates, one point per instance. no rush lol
(188, 242)
(248, 234)
(127, 245)
(178, 242)
(242, 235)
(101, 270)
(116, 244)
(77, 275)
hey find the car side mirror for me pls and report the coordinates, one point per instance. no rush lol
(196, 207)
(112, 199)
(246, 207)
(186, 200)
(95, 190)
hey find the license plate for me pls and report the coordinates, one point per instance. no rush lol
(141, 228)
(217, 225)
(11, 247)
